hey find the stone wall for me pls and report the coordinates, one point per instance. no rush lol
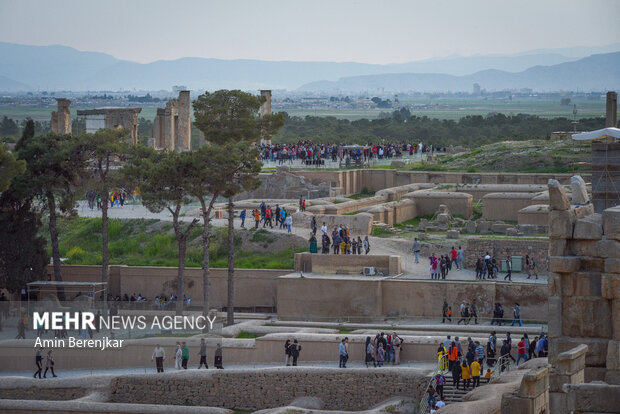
(428, 201)
(360, 224)
(504, 206)
(584, 283)
(351, 389)
(500, 248)
(346, 264)
(364, 298)
(285, 184)
(254, 288)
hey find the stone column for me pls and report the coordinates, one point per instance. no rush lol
(532, 396)
(569, 368)
(611, 119)
(184, 127)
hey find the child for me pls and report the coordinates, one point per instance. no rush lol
(488, 374)
(449, 314)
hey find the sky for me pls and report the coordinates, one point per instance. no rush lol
(370, 31)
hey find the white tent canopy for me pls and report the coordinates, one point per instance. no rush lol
(599, 133)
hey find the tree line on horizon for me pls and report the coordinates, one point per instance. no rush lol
(45, 172)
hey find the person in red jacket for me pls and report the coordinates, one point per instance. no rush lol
(521, 351)
(453, 256)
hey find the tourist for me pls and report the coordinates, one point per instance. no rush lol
(263, 210)
(313, 225)
(397, 341)
(282, 217)
(431, 397)
(256, 218)
(353, 245)
(516, 312)
(389, 350)
(159, 356)
(521, 351)
(494, 268)
(360, 245)
(366, 245)
(447, 342)
(242, 216)
(185, 349)
(267, 217)
(533, 268)
(459, 258)
(508, 269)
(488, 375)
(442, 356)
(474, 311)
(541, 347)
(443, 266)
(39, 362)
(527, 265)
(313, 245)
(449, 314)
(490, 353)
(289, 222)
(464, 315)
(444, 311)
(505, 350)
(440, 380)
(287, 352)
(475, 374)
(478, 269)
(344, 356)
(380, 354)
(217, 359)
(479, 351)
(416, 249)
(465, 374)
(336, 241)
(178, 357)
(203, 354)
(295, 349)
(277, 214)
(325, 243)
(324, 229)
(453, 356)
(49, 364)
(370, 350)
(454, 257)
(459, 346)
(433, 264)
(456, 374)
(532, 349)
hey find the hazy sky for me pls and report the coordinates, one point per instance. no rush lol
(379, 31)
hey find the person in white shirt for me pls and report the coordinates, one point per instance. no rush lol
(324, 229)
(159, 356)
(440, 404)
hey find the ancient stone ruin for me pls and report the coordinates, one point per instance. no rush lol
(61, 118)
(112, 118)
(172, 127)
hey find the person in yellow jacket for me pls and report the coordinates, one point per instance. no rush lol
(465, 374)
(442, 357)
(475, 374)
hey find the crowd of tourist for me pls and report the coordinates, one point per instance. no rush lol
(339, 241)
(442, 265)
(269, 216)
(308, 152)
(181, 356)
(116, 198)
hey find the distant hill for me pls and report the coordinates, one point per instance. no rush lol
(9, 85)
(64, 68)
(596, 72)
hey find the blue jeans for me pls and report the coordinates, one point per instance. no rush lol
(242, 221)
(456, 263)
(417, 256)
(515, 320)
(521, 357)
(289, 228)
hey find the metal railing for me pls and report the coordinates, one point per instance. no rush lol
(501, 364)
(423, 407)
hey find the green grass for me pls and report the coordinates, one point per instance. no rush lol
(344, 331)
(247, 335)
(144, 242)
(412, 222)
(379, 232)
(365, 193)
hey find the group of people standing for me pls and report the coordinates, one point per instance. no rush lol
(268, 216)
(116, 198)
(49, 363)
(440, 266)
(383, 349)
(341, 241)
(181, 356)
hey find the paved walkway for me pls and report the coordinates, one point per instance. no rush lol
(150, 369)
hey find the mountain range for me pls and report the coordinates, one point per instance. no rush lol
(24, 68)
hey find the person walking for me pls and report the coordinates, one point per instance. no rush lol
(527, 265)
(416, 250)
(465, 374)
(533, 268)
(21, 329)
(516, 313)
(289, 222)
(479, 351)
(380, 354)
(217, 361)
(509, 269)
(159, 355)
(39, 362)
(343, 354)
(397, 341)
(49, 364)
(532, 348)
(370, 350)
(366, 245)
(444, 311)
(453, 356)
(474, 311)
(256, 218)
(295, 350)
(442, 356)
(456, 374)
(203, 354)
(521, 349)
(454, 258)
(185, 349)
(459, 258)
(313, 244)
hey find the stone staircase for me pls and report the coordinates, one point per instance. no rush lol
(452, 395)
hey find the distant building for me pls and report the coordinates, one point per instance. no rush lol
(112, 118)
(477, 89)
(172, 127)
(61, 117)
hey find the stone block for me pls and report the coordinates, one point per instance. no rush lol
(592, 264)
(593, 397)
(483, 227)
(615, 319)
(558, 247)
(500, 228)
(571, 362)
(603, 248)
(558, 402)
(583, 211)
(612, 265)
(581, 284)
(561, 224)
(513, 404)
(613, 355)
(528, 229)
(611, 223)
(557, 381)
(612, 377)
(453, 234)
(554, 280)
(555, 316)
(597, 349)
(579, 192)
(557, 196)
(534, 383)
(595, 374)
(589, 227)
(609, 248)
(585, 316)
(470, 227)
(610, 285)
(564, 264)
(513, 232)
